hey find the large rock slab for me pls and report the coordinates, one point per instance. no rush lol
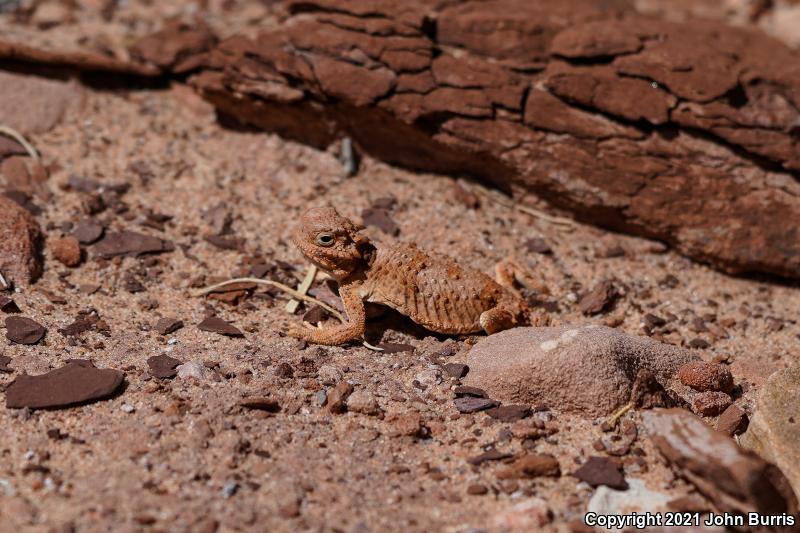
(581, 369)
(20, 243)
(628, 122)
(774, 430)
(734, 479)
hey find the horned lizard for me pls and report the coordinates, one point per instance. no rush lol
(430, 289)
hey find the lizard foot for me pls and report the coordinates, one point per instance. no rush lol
(299, 332)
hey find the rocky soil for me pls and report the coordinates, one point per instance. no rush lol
(144, 172)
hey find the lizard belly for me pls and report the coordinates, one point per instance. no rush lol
(435, 316)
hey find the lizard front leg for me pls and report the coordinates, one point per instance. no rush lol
(351, 330)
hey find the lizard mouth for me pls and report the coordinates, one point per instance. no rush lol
(333, 262)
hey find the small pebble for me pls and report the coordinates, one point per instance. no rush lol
(230, 488)
(476, 489)
(322, 398)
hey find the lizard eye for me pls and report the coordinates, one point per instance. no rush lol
(325, 239)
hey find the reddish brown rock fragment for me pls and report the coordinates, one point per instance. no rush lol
(471, 404)
(734, 479)
(67, 250)
(455, 370)
(629, 98)
(531, 466)
(261, 403)
(165, 326)
(23, 330)
(490, 455)
(174, 44)
(476, 489)
(704, 376)
(88, 232)
(225, 242)
(732, 421)
(601, 471)
(163, 366)
(215, 324)
(7, 305)
(710, 403)
(381, 219)
(26, 175)
(130, 243)
(395, 347)
(405, 425)
(509, 413)
(597, 39)
(337, 398)
(80, 325)
(76, 383)
(10, 147)
(600, 298)
(20, 238)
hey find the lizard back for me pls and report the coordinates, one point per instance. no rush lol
(431, 289)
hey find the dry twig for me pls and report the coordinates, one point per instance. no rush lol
(17, 136)
(311, 273)
(614, 418)
(268, 282)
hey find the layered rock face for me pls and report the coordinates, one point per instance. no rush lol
(685, 132)
(682, 130)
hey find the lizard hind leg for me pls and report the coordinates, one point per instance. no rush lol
(498, 319)
(512, 275)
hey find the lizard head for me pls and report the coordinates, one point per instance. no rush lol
(331, 242)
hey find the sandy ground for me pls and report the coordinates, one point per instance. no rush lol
(182, 455)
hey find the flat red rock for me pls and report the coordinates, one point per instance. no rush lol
(598, 299)
(22, 330)
(601, 471)
(394, 347)
(214, 324)
(165, 326)
(7, 305)
(381, 219)
(78, 327)
(225, 242)
(88, 232)
(509, 413)
(261, 403)
(131, 243)
(76, 383)
(471, 404)
(9, 147)
(163, 366)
